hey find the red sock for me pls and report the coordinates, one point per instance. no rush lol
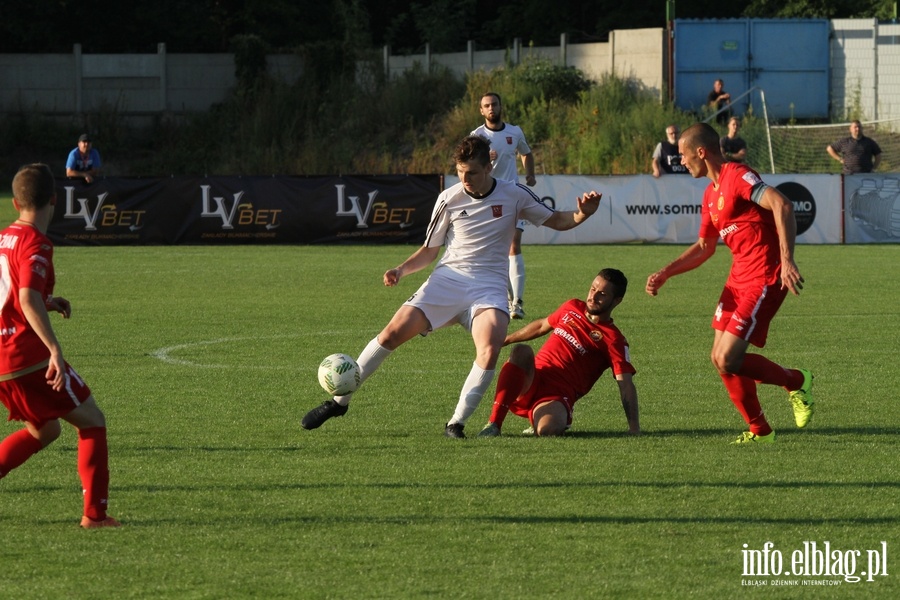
(759, 368)
(742, 391)
(509, 386)
(16, 449)
(93, 468)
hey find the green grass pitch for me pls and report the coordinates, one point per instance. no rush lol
(204, 360)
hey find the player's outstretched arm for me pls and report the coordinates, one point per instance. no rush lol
(697, 254)
(533, 330)
(419, 259)
(629, 396)
(588, 204)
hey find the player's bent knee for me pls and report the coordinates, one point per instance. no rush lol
(549, 430)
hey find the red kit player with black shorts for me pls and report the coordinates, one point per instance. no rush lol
(757, 224)
(37, 386)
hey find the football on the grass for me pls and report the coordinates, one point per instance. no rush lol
(339, 375)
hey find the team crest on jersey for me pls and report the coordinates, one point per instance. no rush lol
(497, 210)
(509, 140)
(596, 336)
(721, 204)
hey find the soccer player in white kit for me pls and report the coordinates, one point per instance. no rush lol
(507, 142)
(475, 220)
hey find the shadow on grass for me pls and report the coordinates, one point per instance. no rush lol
(718, 432)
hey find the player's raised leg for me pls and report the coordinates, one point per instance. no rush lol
(406, 323)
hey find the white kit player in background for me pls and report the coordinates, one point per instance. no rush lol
(474, 220)
(507, 141)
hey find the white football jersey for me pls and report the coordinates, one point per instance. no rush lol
(477, 232)
(506, 142)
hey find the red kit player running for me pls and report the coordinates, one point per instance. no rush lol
(583, 343)
(757, 223)
(36, 384)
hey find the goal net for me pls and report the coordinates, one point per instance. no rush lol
(801, 148)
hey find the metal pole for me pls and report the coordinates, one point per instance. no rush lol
(762, 97)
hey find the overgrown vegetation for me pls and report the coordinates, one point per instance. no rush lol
(340, 118)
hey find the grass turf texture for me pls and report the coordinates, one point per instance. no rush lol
(204, 360)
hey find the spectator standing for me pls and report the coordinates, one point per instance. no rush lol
(717, 99)
(666, 157)
(734, 148)
(83, 161)
(856, 153)
(507, 141)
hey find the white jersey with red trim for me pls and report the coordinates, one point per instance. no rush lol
(477, 232)
(506, 142)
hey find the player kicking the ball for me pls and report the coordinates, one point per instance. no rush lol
(475, 219)
(757, 224)
(582, 344)
(36, 384)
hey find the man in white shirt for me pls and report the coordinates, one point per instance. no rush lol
(507, 141)
(475, 220)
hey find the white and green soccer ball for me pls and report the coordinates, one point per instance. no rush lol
(339, 375)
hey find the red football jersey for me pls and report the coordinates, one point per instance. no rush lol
(26, 261)
(577, 351)
(747, 229)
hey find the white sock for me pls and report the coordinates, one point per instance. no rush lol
(473, 390)
(369, 360)
(517, 276)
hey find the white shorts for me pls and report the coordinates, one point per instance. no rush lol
(521, 224)
(447, 298)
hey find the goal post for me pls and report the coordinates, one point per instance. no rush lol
(794, 148)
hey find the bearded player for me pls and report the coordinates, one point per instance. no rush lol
(583, 343)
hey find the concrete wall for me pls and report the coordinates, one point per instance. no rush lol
(131, 84)
(629, 53)
(865, 68)
(865, 72)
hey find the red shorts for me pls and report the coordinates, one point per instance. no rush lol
(747, 312)
(30, 399)
(536, 395)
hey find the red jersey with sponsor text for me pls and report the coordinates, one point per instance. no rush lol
(577, 351)
(747, 229)
(26, 261)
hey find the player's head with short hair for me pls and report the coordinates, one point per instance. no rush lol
(33, 187)
(617, 278)
(700, 135)
(473, 148)
(494, 95)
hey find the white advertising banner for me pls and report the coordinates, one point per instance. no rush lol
(872, 208)
(641, 208)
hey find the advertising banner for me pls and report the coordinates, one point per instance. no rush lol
(642, 208)
(872, 208)
(244, 210)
